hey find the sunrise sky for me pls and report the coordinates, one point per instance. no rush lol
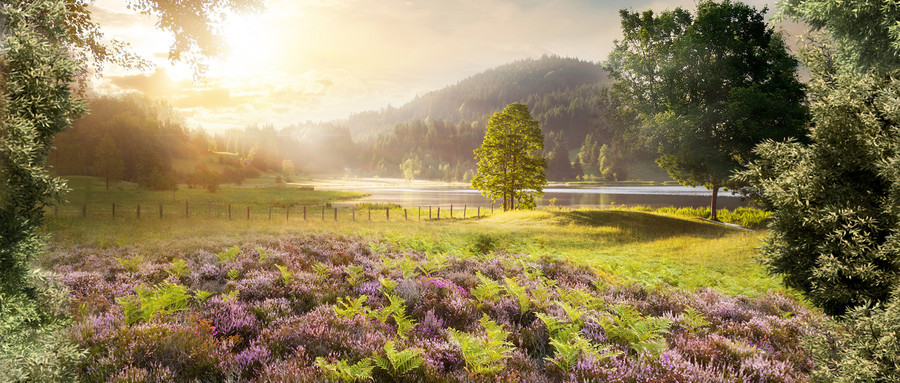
(321, 60)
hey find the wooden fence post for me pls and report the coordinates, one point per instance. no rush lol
(160, 211)
(429, 212)
(370, 214)
(335, 214)
(439, 212)
(387, 213)
(354, 213)
(405, 216)
(304, 213)
(287, 214)
(208, 209)
(139, 211)
(420, 213)
(479, 212)
(492, 209)
(229, 212)
(270, 213)
(187, 211)
(465, 207)
(323, 212)
(248, 213)
(114, 210)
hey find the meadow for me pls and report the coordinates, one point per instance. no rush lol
(550, 295)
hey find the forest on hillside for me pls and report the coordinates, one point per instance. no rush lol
(432, 137)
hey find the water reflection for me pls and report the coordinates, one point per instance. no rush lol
(571, 197)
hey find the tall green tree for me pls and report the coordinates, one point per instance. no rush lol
(44, 45)
(835, 228)
(510, 166)
(108, 160)
(35, 104)
(708, 88)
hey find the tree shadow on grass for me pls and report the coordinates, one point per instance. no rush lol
(644, 225)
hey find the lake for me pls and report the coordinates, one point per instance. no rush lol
(570, 197)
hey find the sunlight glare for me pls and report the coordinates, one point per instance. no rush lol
(252, 45)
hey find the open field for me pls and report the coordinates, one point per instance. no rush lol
(535, 296)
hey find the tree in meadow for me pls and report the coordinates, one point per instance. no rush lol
(707, 88)
(510, 166)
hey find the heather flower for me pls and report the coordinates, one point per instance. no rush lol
(230, 318)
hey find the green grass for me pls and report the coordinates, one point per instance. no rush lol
(624, 245)
(91, 192)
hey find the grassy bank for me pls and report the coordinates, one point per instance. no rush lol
(627, 245)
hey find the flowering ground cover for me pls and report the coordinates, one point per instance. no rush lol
(333, 307)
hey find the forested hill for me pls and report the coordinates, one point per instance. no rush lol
(434, 135)
(559, 92)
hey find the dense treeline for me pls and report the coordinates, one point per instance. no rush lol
(123, 138)
(433, 136)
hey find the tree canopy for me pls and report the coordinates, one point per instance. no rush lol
(707, 88)
(510, 166)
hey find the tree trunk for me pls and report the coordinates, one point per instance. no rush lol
(712, 207)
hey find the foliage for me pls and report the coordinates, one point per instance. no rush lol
(708, 88)
(229, 254)
(484, 354)
(864, 32)
(272, 331)
(510, 167)
(164, 299)
(834, 201)
(398, 363)
(36, 71)
(643, 334)
(865, 348)
(487, 290)
(342, 371)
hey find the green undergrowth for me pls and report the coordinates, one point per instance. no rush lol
(622, 245)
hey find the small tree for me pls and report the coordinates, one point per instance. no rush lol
(108, 160)
(510, 166)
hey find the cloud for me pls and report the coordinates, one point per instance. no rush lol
(155, 85)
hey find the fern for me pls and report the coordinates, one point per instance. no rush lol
(354, 274)
(398, 363)
(164, 299)
(229, 254)
(488, 290)
(286, 275)
(231, 295)
(178, 268)
(642, 334)
(377, 248)
(322, 270)
(540, 296)
(518, 292)
(580, 298)
(350, 308)
(573, 312)
(344, 372)
(570, 345)
(202, 296)
(404, 323)
(693, 320)
(263, 254)
(233, 274)
(387, 285)
(434, 264)
(484, 354)
(131, 264)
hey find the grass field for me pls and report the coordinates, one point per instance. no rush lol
(534, 296)
(628, 245)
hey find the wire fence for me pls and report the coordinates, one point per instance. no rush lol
(252, 212)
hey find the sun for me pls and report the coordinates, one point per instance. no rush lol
(252, 44)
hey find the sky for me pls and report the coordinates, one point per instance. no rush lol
(322, 60)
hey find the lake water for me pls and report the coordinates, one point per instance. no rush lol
(571, 197)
